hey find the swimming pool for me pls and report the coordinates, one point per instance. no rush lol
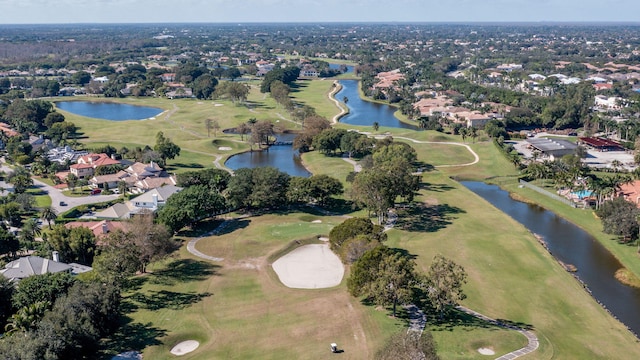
(583, 194)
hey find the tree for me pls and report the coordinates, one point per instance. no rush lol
(9, 245)
(208, 124)
(383, 277)
(165, 147)
(72, 181)
(204, 86)
(20, 179)
(190, 206)
(620, 218)
(30, 229)
(27, 318)
(353, 227)
(317, 188)
(42, 288)
(328, 141)
(312, 126)
(258, 188)
(376, 126)
(444, 284)
(214, 179)
(261, 131)
(152, 241)
(408, 345)
(237, 92)
(6, 291)
(53, 118)
(48, 214)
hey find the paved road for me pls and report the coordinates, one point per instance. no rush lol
(70, 202)
(57, 196)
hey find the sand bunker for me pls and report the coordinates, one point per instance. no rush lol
(312, 266)
(218, 104)
(486, 351)
(316, 222)
(224, 148)
(185, 347)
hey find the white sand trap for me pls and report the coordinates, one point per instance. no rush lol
(185, 347)
(224, 148)
(323, 238)
(486, 351)
(312, 266)
(218, 104)
(316, 222)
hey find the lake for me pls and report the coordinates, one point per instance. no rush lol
(108, 110)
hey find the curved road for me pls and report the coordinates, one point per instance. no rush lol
(70, 202)
(57, 196)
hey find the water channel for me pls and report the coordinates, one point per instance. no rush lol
(365, 113)
(108, 110)
(567, 242)
(572, 245)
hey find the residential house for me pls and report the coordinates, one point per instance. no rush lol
(35, 265)
(142, 176)
(631, 192)
(149, 202)
(86, 165)
(99, 228)
(39, 142)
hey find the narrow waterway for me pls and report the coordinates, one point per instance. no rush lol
(572, 245)
(365, 113)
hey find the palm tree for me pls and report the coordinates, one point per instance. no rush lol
(49, 214)
(27, 317)
(376, 126)
(30, 230)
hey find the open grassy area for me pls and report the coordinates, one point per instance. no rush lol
(238, 309)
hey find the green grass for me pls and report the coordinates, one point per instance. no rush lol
(238, 308)
(42, 199)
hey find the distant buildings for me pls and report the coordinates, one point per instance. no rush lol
(149, 202)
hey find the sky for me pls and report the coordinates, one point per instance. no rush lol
(245, 11)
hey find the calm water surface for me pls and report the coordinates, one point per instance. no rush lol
(572, 245)
(108, 110)
(365, 113)
(282, 157)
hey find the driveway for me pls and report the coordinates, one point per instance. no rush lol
(57, 196)
(70, 202)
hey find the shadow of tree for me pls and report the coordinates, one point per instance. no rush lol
(133, 336)
(455, 319)
(165, 299)
(438, 187)
(183, 270)
(514, 324)
(175, 166)
(426, 218)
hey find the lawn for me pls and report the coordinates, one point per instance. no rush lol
(238, 309)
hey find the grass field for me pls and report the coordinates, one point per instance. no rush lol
(238, 309)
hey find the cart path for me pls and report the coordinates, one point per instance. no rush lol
(532, 339)
(332, 97)
(417, 317)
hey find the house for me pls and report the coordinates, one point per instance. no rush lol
(142, 176)
(99, 228)
(86, 165)
(151, 201)
(35, 265)
(309, 71)
(39, 142)
(631, 192)
(180, 93)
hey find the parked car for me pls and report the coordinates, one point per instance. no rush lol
(96, 191)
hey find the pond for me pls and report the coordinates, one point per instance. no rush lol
(572, 245)
(365, 113)
(282, 157)
(108, 110)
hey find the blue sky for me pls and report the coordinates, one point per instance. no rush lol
(141, 11)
